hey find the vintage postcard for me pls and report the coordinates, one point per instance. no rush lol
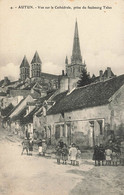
(61, 97)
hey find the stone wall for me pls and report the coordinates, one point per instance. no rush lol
(116, 107)
(79, 123)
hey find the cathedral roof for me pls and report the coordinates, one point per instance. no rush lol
(24, 63)
(76, 52)
(36, 58)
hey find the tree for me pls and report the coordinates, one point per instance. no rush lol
(85, 79)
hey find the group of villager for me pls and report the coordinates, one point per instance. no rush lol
(110, 154)
(65, 153)
(28, 143)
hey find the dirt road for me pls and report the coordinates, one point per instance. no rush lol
(34, 175)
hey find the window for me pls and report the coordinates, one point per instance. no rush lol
(57, 132)
(100, 127)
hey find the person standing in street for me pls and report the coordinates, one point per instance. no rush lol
(58, 153)
(73, 154)
(64, 154)
(108, 154)
(44, 147)
(40, 147)
(101, 154)
(114, 158)
(96, 155)
(122, 153)
(78, 157)
(25, 146)
(30, 146)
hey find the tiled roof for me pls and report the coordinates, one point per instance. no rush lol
(39, 103)
(106, 73)
(95, 94)
(29, 87)
(36, 58)
(29, 117)
(60, 96)
(3, 94)
(35, 95)
(47, 75)
(6, 110)
(19, 85)
(42, 99)
(24, 93)
(7, 117)
(20, 115)
(1, 82)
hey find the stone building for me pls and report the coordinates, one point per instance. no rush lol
(89, 114)
(36, 66)
(74, 68)
(24, 69)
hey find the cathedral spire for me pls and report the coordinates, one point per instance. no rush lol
(24, 62)
(76, 53)
(66, 60)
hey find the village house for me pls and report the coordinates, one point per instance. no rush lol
(14, 120)
(87, 115)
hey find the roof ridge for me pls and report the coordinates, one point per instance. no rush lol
(95, 83)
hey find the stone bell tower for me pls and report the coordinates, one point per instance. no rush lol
(24, 69)
(36, 66)
(74, 69)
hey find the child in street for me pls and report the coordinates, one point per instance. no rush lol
(25, 145)
(44, 147)
(78, 157)
(40, 147)
(64, 154)
(114, 157)
(73, 154)
(58, 153)
(108, 155)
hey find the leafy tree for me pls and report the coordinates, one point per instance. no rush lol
(85, 78)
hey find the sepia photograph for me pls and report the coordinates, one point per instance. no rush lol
(61, 97)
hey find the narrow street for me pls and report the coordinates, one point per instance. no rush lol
(34, 175)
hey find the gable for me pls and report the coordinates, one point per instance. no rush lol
(21, 105)
(118, 97)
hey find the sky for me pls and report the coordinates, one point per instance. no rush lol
(51, 32)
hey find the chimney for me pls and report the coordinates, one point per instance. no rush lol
(109, 72)
(62, 72)
(6, 81)
(100, 74)
(71, 84)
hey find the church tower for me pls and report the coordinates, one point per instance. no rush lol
(24, 69)
(74, 69)
(36, 66)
